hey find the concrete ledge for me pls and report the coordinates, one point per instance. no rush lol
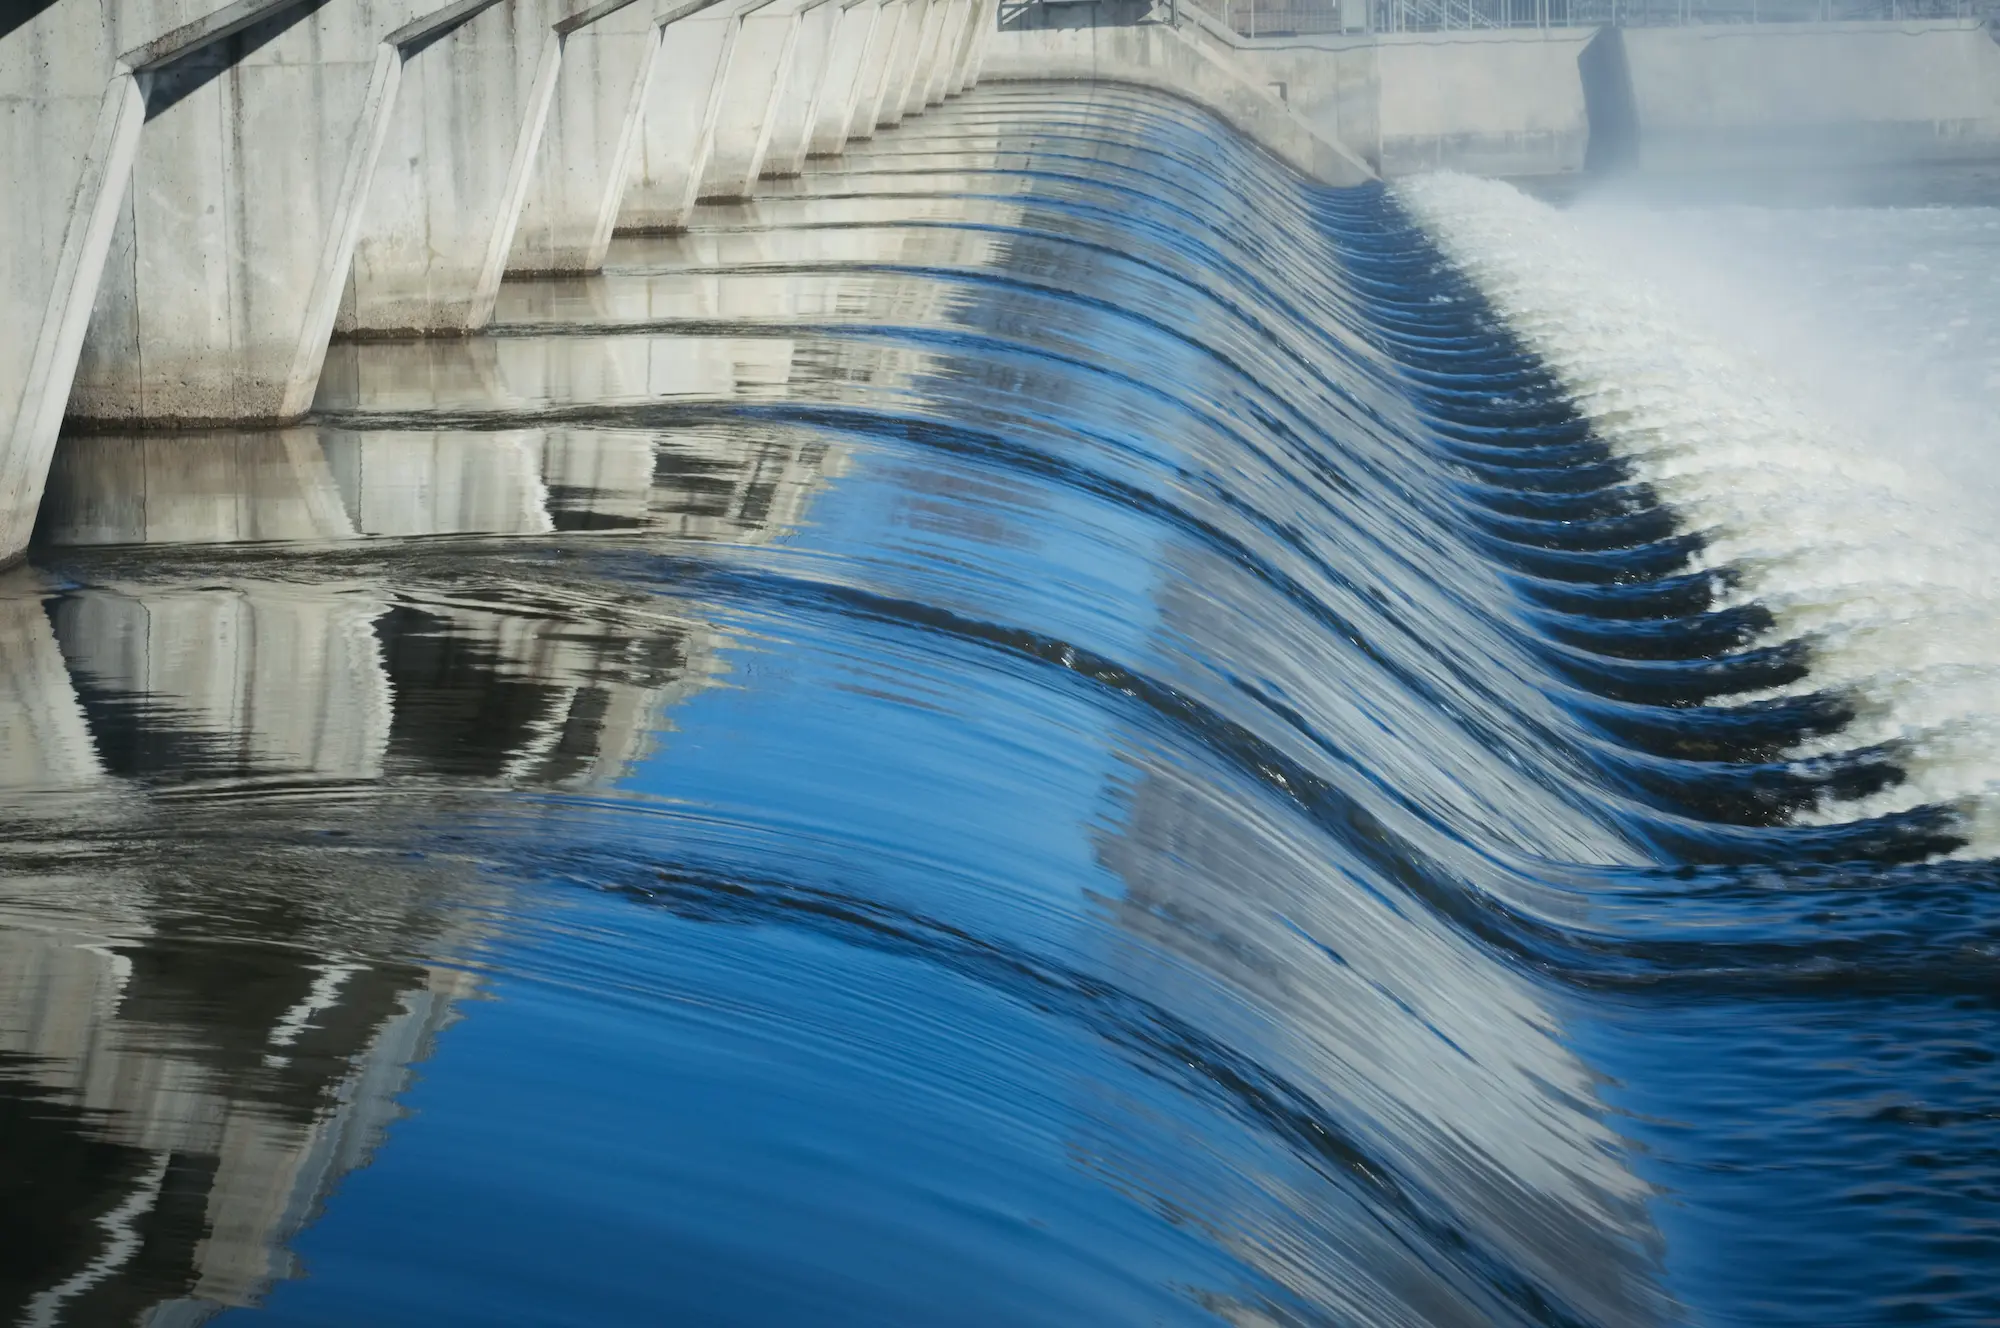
(1156, 56)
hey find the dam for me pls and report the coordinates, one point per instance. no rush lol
(947, 662)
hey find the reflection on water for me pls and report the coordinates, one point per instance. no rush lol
(941, 748)
(304, 725)
(180, 1098)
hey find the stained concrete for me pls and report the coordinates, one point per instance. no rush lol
(757, 78)
(677, 128)
(604, 64)
(799, 95)
(229, 256)
(876, 65)
(854, 30)
(454, 170)
(901, 64)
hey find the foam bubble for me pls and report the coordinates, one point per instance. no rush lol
(1818, 393)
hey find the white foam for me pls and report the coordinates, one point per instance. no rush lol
(1818, 391)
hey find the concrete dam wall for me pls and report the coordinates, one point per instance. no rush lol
(1541, 101)
(203, 196)
(200, 195)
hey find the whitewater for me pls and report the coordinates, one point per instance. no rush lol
(1816, 392)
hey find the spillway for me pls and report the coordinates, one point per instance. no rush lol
(1044, 724)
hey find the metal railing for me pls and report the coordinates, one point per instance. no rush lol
(1281, 18)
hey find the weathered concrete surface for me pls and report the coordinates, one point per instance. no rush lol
(951, 35)
(988, 28)
(1332, 83)
(454, 171)
(1508, 102)
(902, 63)
(757, 76)
(980, 19)
(799, 95)
(71, 123)
(876, 66)
(1157, 56)
(926, 59)
(677, 130)
(605, 61)
(1754, 94)
(846, 65)
(229, 257)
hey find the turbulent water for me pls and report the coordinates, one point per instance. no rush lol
(1044, 725)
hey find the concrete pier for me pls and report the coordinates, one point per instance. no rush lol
(217, 187)
(758, 73)
(230, 247)
(603, 63)
(847, 68)
(902, 60)
(799, 94)
(454, 169)
(206, 192)
(677, 123)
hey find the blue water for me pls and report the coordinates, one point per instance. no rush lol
(1046, 725)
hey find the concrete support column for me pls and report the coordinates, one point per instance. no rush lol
(847, 68)
(605, 58)
(455, 169)
(757, 75)
(876, 62)
(980, 15)
(677, 130)
(984, 29)
(927, 54)
(951, 37)
(799, 95)
(231, 250)
(70, 124)
(902, 64)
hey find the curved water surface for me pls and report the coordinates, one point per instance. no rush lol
(1042, 725)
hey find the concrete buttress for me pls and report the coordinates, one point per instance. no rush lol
(799, 95)
(951, 34)
(71, 122)
(876, 63)
(229, 253)
(846, 64)
(604, 60)
(454, 169)
(677, 129)
(928, 43)
(902, 63)
(924, 56)
(757, 76)
(984, 16)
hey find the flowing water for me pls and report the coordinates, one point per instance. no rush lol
(1044, 725)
